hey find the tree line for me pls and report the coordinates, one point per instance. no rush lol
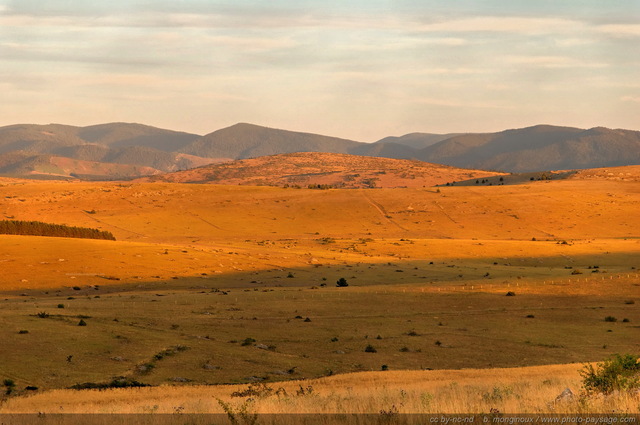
(38, 228)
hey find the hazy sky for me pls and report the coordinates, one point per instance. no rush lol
(355, 69)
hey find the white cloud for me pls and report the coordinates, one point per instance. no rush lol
(635, 99)
(620, 30)
(553, 62)
(454, 103)
(506, 24)
(252, 43)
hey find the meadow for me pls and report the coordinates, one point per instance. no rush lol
(210, 284)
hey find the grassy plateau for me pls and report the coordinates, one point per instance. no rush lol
(459, 299)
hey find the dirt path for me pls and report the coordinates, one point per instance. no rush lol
(113, 226)
(382, 211)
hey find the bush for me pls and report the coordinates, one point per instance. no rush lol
(342, 282)
(370, 349)
(42, 314)
(10, 385)
(38, 228)
(618, 373)
(610, 319)
(117, 382)
(254, 390)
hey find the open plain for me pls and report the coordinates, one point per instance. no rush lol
(211, 284)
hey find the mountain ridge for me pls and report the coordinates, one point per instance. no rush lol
(536, 148)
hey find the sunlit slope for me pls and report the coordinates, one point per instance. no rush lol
(334, 170)
(177, 213)
(167, 230)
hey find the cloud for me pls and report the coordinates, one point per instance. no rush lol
(553, 62)
(454, 103)
(635, 99)
(620, 30)
(504, 24)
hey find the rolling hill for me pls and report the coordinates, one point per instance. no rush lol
(93, 152)
(538, 148)
(324, 169)
(242, 141)
(154, 150)
(417, 140)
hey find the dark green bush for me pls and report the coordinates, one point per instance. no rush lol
(618, 373)
(342, 282)
(38, 228)
(118, 382)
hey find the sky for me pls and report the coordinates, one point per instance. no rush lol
(361, 70)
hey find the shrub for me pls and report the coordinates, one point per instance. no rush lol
(10, 385)
(497, 394)
(610, 319)
(618, 373)
(60, 305)
(254, 390)
(248, 341)
(82, 323)
(43, 314)
(370, 349)
(117, 382)
(511, 294)
(240, 414)
(342, 282)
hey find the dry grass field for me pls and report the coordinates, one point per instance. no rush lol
(532, 390)
(215, 284)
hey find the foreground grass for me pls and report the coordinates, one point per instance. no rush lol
(515, 390)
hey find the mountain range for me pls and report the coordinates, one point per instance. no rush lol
(125, 150)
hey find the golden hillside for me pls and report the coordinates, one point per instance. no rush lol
(329, 169)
